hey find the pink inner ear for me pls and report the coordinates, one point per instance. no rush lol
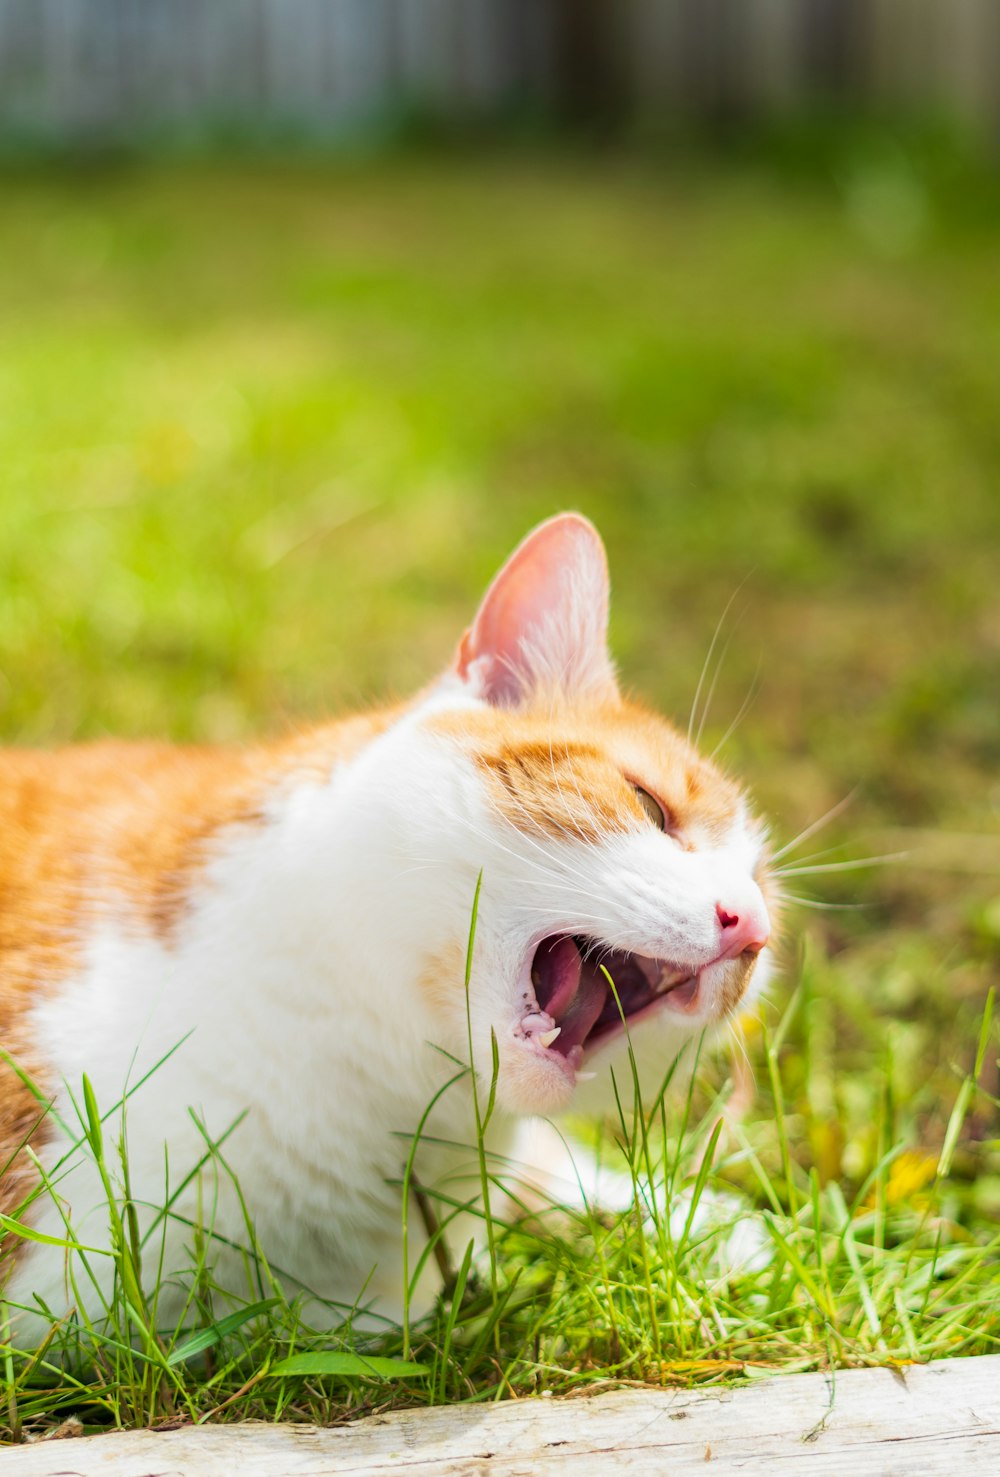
(544, 617)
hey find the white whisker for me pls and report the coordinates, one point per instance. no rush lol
(706, 706)
(555, 873)
(745, 706)
(811, 830)
(811, 902)
(708, 656)
(847, 866)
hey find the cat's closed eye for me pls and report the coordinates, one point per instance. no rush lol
(652, 807)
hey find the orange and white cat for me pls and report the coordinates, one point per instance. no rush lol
(283, 929)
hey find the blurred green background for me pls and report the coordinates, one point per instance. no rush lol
(266, 430)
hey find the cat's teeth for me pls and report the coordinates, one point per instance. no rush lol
(547, 1037)
(585, 1076)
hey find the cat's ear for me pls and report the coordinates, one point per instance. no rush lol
(543, 623)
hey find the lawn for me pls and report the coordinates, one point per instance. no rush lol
(265, 432)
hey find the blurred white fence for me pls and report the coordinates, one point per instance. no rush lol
(111, 70)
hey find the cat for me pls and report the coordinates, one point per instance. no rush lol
(267, 946)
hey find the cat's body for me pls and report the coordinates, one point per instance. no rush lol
(276, 938)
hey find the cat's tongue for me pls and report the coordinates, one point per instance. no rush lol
(571, 992)
(556, 975)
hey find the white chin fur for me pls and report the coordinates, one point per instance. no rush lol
(534, 1083)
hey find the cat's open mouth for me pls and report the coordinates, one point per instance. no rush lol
(576, 1005)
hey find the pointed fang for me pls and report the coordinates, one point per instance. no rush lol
(547, 1037)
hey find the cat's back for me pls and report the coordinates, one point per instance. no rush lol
(96, 828)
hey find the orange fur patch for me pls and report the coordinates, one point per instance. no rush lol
(735, 984)
(442, 978)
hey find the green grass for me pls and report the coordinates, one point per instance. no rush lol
(265, 433)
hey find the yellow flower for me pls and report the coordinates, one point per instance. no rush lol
(909, 1173)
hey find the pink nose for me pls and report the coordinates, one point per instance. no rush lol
(745, 932)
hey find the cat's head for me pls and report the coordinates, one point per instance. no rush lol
(622, 873)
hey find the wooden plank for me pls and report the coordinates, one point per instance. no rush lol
(931, 1420)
